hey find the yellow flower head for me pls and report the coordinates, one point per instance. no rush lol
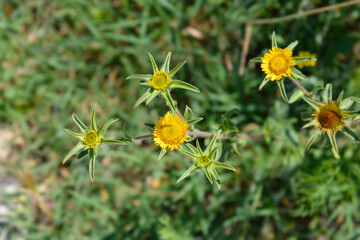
(307, 63)
(329, 118)
(277, 63)
(170, 131)
(160, 80)
(91, 138)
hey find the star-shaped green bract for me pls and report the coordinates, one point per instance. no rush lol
(92, 149)
(206, 160)
(151, 93)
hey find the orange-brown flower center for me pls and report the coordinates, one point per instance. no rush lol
(329, 118)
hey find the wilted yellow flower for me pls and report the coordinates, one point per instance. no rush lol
(307, 63)
(170, 131)
(277, 63)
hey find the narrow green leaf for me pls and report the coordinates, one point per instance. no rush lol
(273, 40)
(193, 156)
(96, 147)
(256, 59)
(195, 120)
(311, 102)
(79, 123)
(93, 121)
(73, 151)
(312, 139)
(188, 114)
(127, 136)
(292, 45)
(216, 176)
(303, 59)
(340, 97)
(281, 86)
(351, 134)
(152, 96)
(206, 170)
(264, 81)
(223, 165)
(296, 95)
(212, 142)
(92, 164)
(334, 146)
(83, 154)
(169, 101)
(145, 77)
(200, 152)
(142, 98)
(165, 66)
(176, 69)
(327, 93)
(187, 173)
(162, 154)
(79, 136)
(214, 153)
(297, 74)
(184, 85)
(309, 124)
(153, 64)
(112, 141)
(357, 117)
(192, 148)
(316, 89)
(105, 126)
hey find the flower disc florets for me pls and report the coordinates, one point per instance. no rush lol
(277, 63)
(91, 138)
(160, 80)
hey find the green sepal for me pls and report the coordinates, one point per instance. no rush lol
(312, 139)
(184, 85)
(281, 86)
(356, 99)
(214, 153)
(195, 120)
(92, 164)
(216, 176)
(216, 164)
(208, 176)
(153, 64)
(297, 74)
(142, 98)
(165, 66)
(303, 59)
(193, 156)
(105, 126)
(96, 147)
(75, 149)
(334, 146)
(327, 93)
(212, 142)
(256, 59)
(187, 173)
(295, 96)
(340, 97)
(176, 69)
(316, 89)
(127, 137)
(200, 152)
(169, 101)
(161, 154)
(112, 141)
(79, 136)
(264, 81)
(145, 77)
(309, 124)
(80, 124)
(311, 102)
(351, 134)
(150, 125)
(152, 96)
(357, 118)
(273, 40)
(83, 154)
(192, 148)
(188, 115)
(93, 121)
(292, 45)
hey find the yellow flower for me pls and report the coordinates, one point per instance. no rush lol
(307, 63)
(160, 80)
(329, 118)
(170, 131)
(91, 138)
(277, 63)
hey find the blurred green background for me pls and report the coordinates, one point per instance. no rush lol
(60, 57)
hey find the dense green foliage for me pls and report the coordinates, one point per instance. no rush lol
(60, 57)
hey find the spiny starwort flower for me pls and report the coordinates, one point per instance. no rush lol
(90, 139)
(306, 63)
(161, 82)
(172, 130)
(279, 63)
(329, 117)
(206, 160)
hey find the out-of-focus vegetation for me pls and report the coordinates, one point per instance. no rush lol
(60, 57)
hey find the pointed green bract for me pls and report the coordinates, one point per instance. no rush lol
(165, 66)
(310, 124)
(264, 81)
(297, 74)
(161, 154)
(334, 146)
(296, 95)
(112, 141)
(327, 93)
(187, 173)
(216, 176)
(153, 64)
(273, 40)
(152, 96)
(312, 139)
(213, 153)
(348, 132)
(79, 123)
(92, 164)
(223, 165)
(195, 120)
(188, 115)
(210, 147)
(184, 85)
(170, 101)
(198, 147)
(281, 86)
(193, 156)
(192, 148)
(93, 121)
(311, 102)
(256, 59)
(73, 151)
(303, 59)
(80, 136)
(206, 170)
(145, 77)
(176, 69)
(340, 97)
(292, 45)
(143, 98)
(105, 126)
